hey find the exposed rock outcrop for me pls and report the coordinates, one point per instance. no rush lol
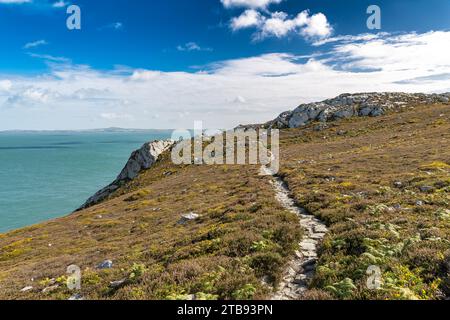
(350, 105)
(144, 158)
(139, 160)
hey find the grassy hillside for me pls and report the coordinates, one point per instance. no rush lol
(381, 185)
(242, 235)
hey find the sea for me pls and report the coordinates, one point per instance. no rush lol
(45, 175)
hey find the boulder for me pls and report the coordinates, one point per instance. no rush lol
(398, 184)
(298, 120)
(185, 218)
(107, 264)
(426, 188)
(26, 289)
(76, 297)
(50, 289)
(282, 120)
(344, 113)
(444, 99)
(118, 283)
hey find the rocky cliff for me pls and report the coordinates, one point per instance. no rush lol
(350, 105)
(139, 160)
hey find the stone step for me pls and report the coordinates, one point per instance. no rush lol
(301, 281)
(306, 246)
(318, 236)
(320, 229)
(309, 262)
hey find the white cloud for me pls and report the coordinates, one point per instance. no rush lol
(36, 95)
(144, 75)
(115, 116)
(117, 25)
(250, 18)
(348, 38)
(240, 99)
(425, 53)
(31, 96)
(5, 85)
(35, 44)
(60, 4)
(15, 1)
(50, 58)
(74, 97)
(317, 26)
(112, 26)
(192, 46)
(279, 24)
(254, 4)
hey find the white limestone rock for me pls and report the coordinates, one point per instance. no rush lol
(143, 158)
(139, 160)
(349, 105)
(185, 218)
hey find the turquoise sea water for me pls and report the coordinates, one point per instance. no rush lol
(44, 175)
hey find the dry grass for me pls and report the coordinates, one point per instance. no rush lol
(242, 236)
(381, 184)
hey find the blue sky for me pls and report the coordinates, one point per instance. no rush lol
(167, 63)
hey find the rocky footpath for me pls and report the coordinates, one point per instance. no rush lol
(139, 160)
(351, 105)
(301, 269)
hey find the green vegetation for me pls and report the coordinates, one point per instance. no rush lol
(380, 184)
(383, 188)
(243, 236)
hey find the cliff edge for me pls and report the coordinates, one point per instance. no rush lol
(139, 160)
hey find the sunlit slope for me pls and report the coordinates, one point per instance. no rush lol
(383, 186)
(380, 183)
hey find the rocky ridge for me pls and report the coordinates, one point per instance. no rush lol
(351, 105)
(139, 160)
(341, 107)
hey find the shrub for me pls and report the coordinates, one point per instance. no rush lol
(138, 195)
(343, 289)
(436, 165)
(245, 293)
(267, 264)
(137, 271)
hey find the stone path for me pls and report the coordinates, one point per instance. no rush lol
(300, 271)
